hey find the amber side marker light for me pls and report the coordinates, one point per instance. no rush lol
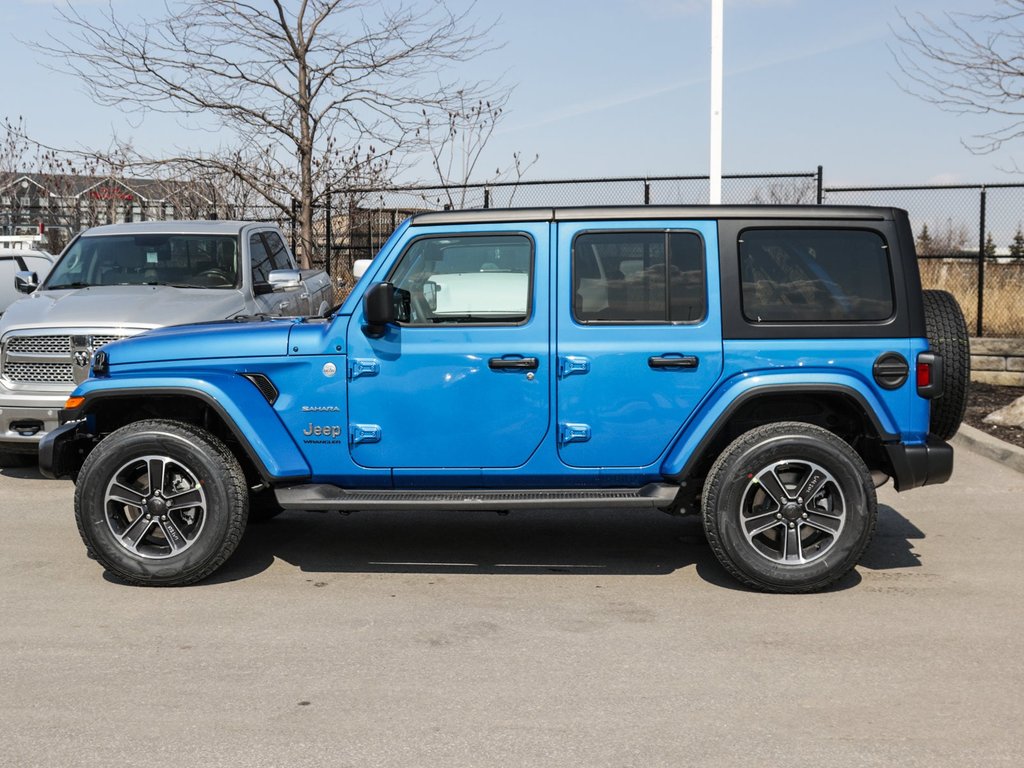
(73, 402)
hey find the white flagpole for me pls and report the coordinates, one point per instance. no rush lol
(717, 13)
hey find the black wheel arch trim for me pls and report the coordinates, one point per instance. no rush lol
(112, 394)
(777, 389)
(54, 447)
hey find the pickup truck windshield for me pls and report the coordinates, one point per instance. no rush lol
(185, 261)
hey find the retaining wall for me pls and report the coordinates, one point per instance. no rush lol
(998, 361)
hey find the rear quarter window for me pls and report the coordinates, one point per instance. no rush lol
(815, 276)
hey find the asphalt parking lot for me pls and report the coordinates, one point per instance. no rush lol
(470, 639)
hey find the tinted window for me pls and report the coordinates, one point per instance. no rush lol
(469, 279)
(626, 277)
(814, 275)
(278, 253)
(199, 261)
(261, 264)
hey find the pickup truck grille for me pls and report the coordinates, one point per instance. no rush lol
(27, 359)
(40, 344)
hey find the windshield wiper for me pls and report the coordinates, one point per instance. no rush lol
(173, 285)
(68, 285)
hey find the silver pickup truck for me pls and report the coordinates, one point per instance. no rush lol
(119, 280)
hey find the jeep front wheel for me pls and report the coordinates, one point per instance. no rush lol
(161, 503)
(789, 507)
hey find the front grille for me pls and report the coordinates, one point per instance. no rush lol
(45, 373)
(99, 341)
(46, 359)
(41, 344)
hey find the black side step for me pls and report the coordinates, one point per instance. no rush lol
(319, 497)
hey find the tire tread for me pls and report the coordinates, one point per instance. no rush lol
(235, 477)
(713, 490)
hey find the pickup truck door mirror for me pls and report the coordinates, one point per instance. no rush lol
(382, 305)
(26, 282)
(284, 279)
(360, 266)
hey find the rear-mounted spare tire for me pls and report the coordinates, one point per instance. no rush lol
(947, 336)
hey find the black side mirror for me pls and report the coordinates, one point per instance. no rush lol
(382, 305)
(380, 308)
(379, 304)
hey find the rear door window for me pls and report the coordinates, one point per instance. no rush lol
(638, 277)
(815, 276)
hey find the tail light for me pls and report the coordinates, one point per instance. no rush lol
(929, 375)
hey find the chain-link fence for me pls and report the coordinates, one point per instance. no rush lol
(360, 222)
(969, 242)
(969, 237)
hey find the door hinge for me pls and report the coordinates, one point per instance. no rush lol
(570, 364)
(365, 366)
(573, 433)
(363, 433)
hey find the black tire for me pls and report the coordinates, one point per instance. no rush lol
(947, 336)
(14, 459)
(263, 506)
(197, 499)
(737, 504)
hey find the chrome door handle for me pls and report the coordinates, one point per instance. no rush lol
(513, 363)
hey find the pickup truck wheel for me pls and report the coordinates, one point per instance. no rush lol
(789, 507)
(161, 503)
(947, 335)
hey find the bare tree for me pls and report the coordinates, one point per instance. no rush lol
(457, 140)
(968, 63)
(792, 192)
(295, 88)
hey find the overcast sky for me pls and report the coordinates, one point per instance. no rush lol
(609, 88)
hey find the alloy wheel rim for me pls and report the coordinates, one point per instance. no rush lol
(155, 507)
(792, 512)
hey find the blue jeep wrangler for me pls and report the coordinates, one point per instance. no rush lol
(764, 367)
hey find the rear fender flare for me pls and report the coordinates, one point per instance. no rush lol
(701, 430)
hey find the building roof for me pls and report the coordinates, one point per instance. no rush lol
(72, 185)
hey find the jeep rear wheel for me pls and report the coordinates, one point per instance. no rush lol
(947, 336)
(161, 503)
(789, 507)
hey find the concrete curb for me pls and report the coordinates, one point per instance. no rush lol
(984, 444)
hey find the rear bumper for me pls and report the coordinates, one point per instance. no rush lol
(917, 465)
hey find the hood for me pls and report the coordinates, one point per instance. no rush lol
(203, 342)
(123, 306)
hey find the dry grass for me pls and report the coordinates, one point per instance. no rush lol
(1004, 292)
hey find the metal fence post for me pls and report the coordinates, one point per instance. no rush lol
(647, 192)
(980, 331)
(487, 197)
(821, 188)
(329, 233)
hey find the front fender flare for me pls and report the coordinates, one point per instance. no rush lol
(251, 419)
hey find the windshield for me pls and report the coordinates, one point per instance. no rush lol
(185, 261)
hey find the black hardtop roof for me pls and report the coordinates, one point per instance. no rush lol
(635, 212)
